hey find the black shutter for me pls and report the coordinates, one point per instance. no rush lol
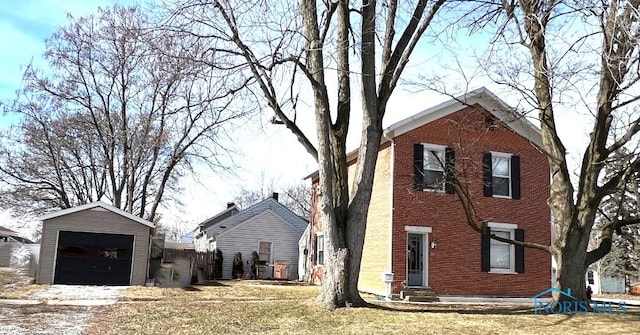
(450, 169)
(487, 174)
(520, 251)
(418, 166)
(515, 177)
(485, 252)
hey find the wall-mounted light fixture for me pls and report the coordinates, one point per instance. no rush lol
(434, 243)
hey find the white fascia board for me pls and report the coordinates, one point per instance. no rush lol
(481, 96)
(97, 204)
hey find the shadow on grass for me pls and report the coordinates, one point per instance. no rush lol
(452, 308)
(212, 283)
(478, 309)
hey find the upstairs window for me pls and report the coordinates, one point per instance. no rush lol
(319, 249)
(433, 167)
(501, 175)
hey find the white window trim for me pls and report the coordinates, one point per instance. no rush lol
(317, 250)
(511, 229)
(270, 260)
(417, 229)
(434, 147)
(508, 157)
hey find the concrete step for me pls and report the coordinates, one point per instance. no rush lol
(422, 294)
(413, 298)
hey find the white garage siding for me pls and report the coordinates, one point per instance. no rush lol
(244, 238)
(93, 220)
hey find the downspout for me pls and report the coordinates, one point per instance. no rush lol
(389, 136)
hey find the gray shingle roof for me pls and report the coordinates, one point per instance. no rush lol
(279, 209)
(230, 211)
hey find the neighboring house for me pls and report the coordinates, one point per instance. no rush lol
(94, 244)
(8, 235)
(416, 225)
(10, 242)
(268, 228)
(603, 284)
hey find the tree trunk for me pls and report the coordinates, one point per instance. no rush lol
(571, 267)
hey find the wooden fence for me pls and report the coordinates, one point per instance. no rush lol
(208, 264)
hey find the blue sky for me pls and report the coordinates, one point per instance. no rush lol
(24, 26)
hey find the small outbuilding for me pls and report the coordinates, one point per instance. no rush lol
(94, 244)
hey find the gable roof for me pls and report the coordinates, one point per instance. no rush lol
(7, 232)
(279, 209)
(97, 204)
(228, 212)
(481, 96)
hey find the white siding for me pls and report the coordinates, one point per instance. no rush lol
(244, 238)
(95, 220)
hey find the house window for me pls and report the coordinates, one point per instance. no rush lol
(590, 278)
(499, 256)
(501, 175)
(319, 249)
(264, 251)
(502, 253)
(433, 167)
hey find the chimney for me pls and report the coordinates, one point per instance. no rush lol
(275, 196)
(230, 204)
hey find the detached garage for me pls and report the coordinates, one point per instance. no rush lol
(94, 244)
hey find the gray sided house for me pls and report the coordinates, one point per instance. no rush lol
(94, 244)
(268, 228)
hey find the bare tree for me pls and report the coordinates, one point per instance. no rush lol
(121, 114)
(586, 53)
(289, 52)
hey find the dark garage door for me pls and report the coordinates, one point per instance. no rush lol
(93, 259)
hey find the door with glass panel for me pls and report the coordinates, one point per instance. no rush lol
(415, 260)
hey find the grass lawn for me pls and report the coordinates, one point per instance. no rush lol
(15, 285)
(244, 307)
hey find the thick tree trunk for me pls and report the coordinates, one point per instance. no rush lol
(571, 266)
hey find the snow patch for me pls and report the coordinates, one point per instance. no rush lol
(80, 292)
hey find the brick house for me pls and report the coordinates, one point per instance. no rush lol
(416, 225)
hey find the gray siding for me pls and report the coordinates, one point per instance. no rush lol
(6, 248)
(266, 226)
(94, 220)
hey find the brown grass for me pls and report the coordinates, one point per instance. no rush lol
(15, 285)
(240, 307)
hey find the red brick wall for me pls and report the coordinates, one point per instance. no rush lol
(454, 265)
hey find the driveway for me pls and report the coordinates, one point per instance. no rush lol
(57, 309)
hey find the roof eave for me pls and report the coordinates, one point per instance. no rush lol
(95, 204)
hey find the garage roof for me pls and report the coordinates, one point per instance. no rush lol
(95, 205)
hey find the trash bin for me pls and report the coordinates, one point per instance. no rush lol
(280, 270)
